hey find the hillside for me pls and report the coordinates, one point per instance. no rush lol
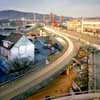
(13, 14)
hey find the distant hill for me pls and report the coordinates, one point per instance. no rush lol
(13, 14)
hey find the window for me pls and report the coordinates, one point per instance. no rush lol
(22, 50)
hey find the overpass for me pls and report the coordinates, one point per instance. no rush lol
(33, 81)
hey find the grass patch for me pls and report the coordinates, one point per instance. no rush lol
(53, 57)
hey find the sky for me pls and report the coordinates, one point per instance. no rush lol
(72, 8)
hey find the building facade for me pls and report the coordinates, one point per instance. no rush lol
(91, 25)
(74, 25)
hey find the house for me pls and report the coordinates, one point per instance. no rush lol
(16, 46)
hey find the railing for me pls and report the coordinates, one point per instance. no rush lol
(66, 96)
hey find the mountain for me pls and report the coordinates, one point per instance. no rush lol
(13, 14)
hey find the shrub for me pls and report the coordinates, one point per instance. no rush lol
(20, 64)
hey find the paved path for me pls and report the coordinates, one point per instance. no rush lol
(30, 80)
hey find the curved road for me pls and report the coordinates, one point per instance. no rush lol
(32, 79)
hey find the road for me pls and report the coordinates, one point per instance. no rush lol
(91, 40)
(32, 79)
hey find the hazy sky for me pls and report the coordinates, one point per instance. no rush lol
(74, 8)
